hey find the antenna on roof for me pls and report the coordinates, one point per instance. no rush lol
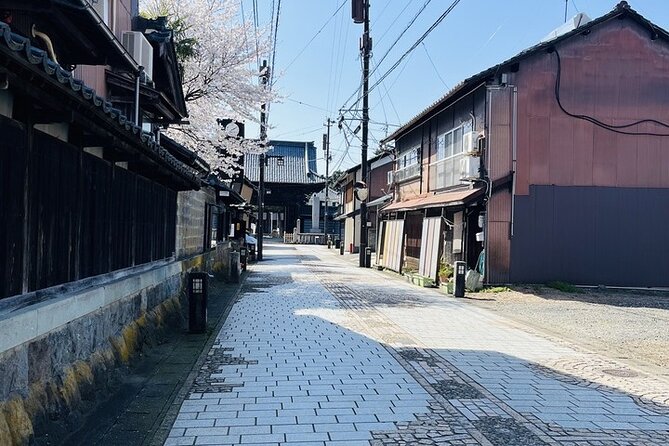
(566, 8)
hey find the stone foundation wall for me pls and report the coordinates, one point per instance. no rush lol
(60, 347)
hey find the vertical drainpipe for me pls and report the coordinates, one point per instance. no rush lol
(137, 83)
(514, 136)
(487, 106)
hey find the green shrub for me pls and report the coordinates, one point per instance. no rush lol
(496, 289)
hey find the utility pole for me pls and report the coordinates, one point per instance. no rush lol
(361, 14)
(326, 147)
(264, 77)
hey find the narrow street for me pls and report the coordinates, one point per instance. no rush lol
(318, 351)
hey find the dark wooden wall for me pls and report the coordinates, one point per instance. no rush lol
(66, 215)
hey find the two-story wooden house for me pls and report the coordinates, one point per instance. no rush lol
(377, 185)
(554, 163)
(97, 229)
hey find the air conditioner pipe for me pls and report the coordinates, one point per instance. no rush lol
(137, 84)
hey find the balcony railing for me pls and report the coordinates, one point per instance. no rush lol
(407, 173)
(445, 172)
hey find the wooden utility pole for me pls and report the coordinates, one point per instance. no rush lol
(366, 44)
(360, 14)
(264, 77)
(326, 147)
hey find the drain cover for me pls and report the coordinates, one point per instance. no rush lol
(623, 373)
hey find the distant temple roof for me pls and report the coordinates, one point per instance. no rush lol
(298, 165)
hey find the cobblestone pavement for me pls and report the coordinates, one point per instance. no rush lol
(318, 351)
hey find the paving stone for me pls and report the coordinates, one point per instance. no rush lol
(318, 351)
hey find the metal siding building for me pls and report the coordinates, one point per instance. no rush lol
(569, 197)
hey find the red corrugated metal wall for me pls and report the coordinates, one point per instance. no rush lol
(616, 74)
(499, 164)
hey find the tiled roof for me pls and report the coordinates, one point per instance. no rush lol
(621, 10)
(20, 48)
(299, 164)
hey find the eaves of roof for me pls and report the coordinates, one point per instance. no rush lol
(369, 162)
(151, 99)
(114, 50)
(37, 61)
(472, 83)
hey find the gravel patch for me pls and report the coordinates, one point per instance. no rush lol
(626, 325)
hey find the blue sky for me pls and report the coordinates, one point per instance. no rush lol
(314, 79)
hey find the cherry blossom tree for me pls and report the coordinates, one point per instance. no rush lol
(218, 57)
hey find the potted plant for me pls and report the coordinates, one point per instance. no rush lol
(445, 275)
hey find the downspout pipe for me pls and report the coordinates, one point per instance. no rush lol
(138, 80)
(514, 136)
(84, 5)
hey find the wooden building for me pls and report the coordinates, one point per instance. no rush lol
(378, 186)
(101, 218)
(291, 177)
(554, 162)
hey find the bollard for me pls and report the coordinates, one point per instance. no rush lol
(243, 258)
(459, 273)
(341, 249)
(368, 257)
(235, 271)
(198, 285)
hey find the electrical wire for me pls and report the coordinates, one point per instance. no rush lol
(246, 37)
(255, 28)
(406, 28)
(307, 105)
(427, 53)
(392, 24)
(332, 62)
(597, 122)
(276, 32)
(397, 39)
(410, 50)
(315, 35)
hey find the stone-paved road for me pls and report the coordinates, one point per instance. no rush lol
(318, 351)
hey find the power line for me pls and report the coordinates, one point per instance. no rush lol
(276, 32)
(411, 22)
(427, 53)
(413, 47)
(332, 58)
(246, 37)
(307, 105)
(339, 69)
(388, 28)
(406, 28)
(255, 30)
(316, 35)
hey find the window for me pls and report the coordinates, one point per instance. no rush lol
(408, 165)
(445, 171)
(408, 158)
(450, 143)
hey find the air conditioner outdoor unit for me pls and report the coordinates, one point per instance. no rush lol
(102, 8)
(470, 142)
(469, 168)
(140, 49)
